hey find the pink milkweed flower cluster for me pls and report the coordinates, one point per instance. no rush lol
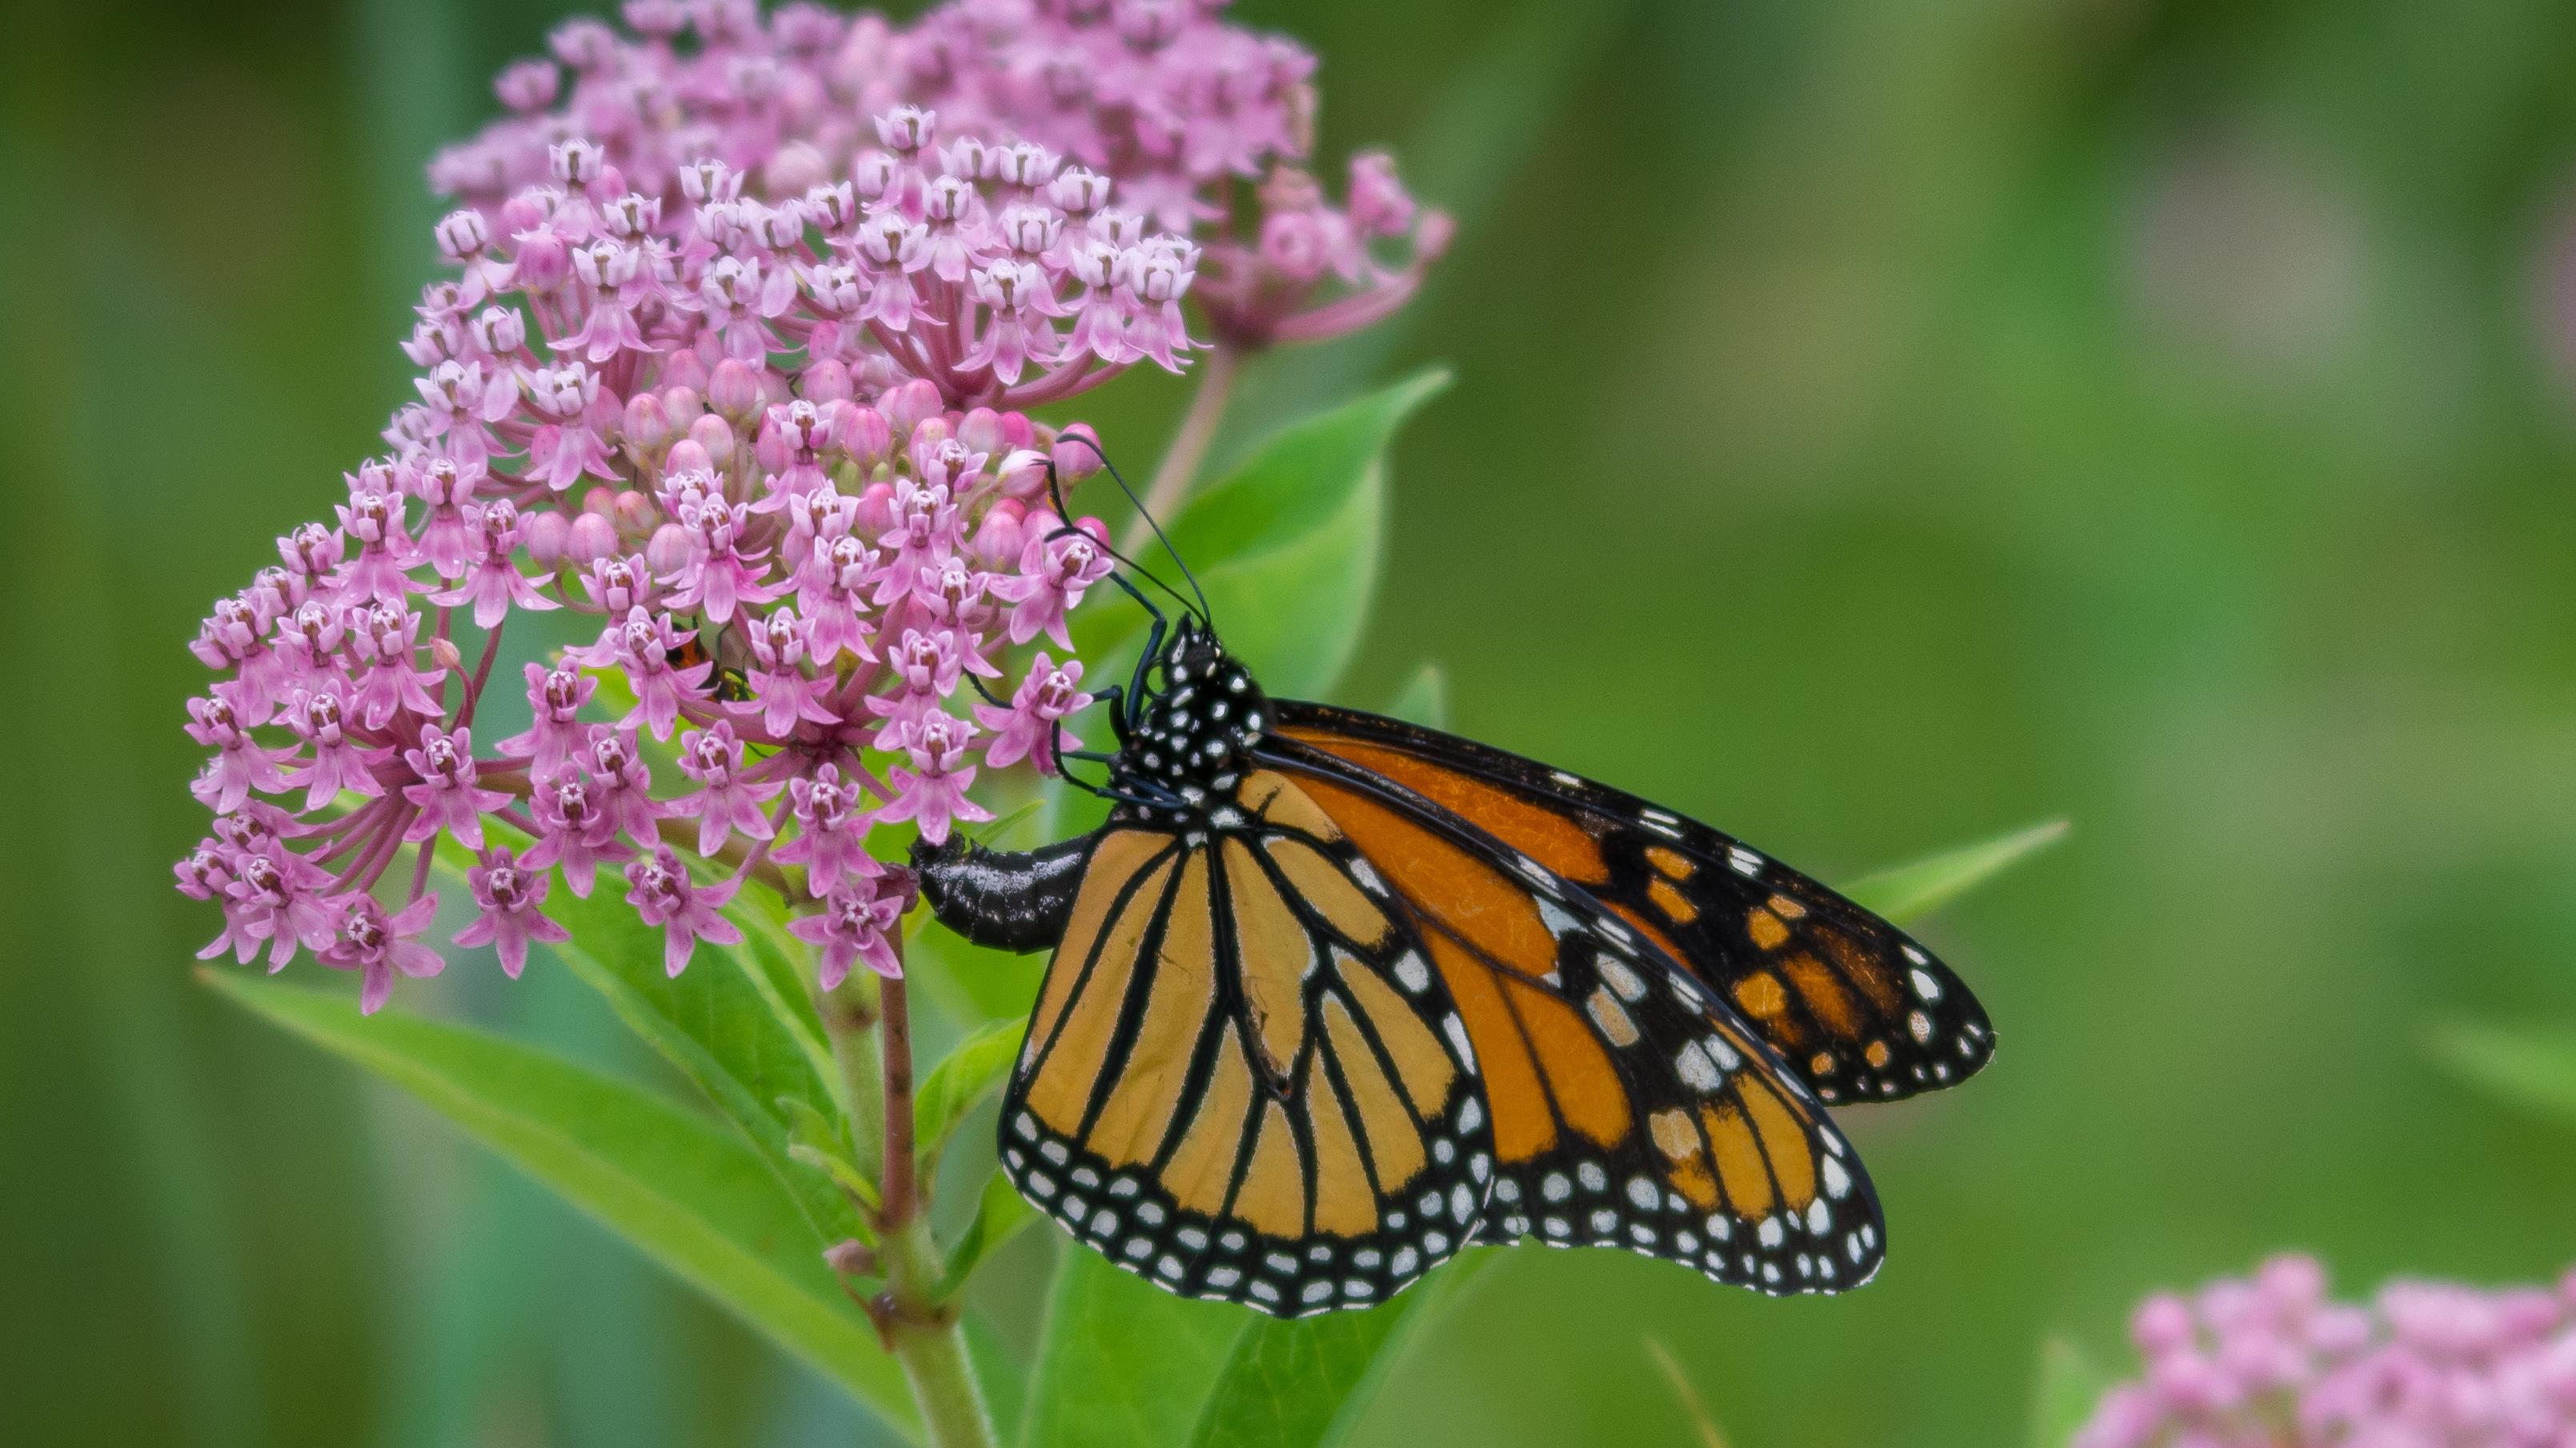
(2272, 1363)
(734, 366)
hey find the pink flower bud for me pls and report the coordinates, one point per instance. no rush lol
(601, 500)
(998, 537)
(648, 428)
(590, 538)
(905, 407)
(734, 391)
(635, 512)
(528, 85)
(771, 448)
(444, 654)
(876, 507)
(826, 381)
(797, 168)
(715, 436)
(863, 432)
(685, 369)
(2161, 1326)
(1076, 453)
(981, 431)
(542, 261)
(668, 553)
(689, 455)
(547, 534)
(683, 406)
(1023, 472)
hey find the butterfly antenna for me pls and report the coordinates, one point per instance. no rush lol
(1206, 615)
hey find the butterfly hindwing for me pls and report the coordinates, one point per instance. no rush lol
(1628, 1104)
(1236, 1081)
(1857, 1009)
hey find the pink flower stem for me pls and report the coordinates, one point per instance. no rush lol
(426, 850)
(482, 672)
(1189, 447)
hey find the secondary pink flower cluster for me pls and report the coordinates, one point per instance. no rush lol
(1009, 198)
(735, 362)
(2271, 1363)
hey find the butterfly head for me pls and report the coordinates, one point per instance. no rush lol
(1201, 712)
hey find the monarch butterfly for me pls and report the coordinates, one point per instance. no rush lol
(1334, 996)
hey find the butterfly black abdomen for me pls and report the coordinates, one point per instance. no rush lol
(1005, 900)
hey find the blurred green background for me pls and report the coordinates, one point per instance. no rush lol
(1878, 425)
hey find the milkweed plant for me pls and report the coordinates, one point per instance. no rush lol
(741, 528)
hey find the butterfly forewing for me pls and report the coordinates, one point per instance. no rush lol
(1628, 1104)
(1855, 1008)
(1242, 1079)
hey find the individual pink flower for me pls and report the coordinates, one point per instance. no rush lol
(447, 796)
(1057, 565)
(726, 801)
(573, 831)
(641, 646)
(555, 699)
(241, 764)
(493, 583)
(932, 793)
(856, 923)
(662, 892)
(506, 897)
(376, 947)
(831, 831)
(1028, 729)
(338, 761)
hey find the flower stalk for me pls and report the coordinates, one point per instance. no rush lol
(874, 1048)
(1180, 466)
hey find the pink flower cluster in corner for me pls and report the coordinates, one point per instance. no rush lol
(746, 314)
(2272, 1363)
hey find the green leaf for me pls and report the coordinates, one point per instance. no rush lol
(2534, 1069)
(1908, 892)
(2069, 1385)
(1305, 1383)
(1123, 1364)
(962, 1078)
(725, 1022)
(685, 1191)
(1424, 699)
(1286, 546)
(1000, 1213)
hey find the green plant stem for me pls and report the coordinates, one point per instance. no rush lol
(920, 1330)
(849, 1012)
(1180, 465)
